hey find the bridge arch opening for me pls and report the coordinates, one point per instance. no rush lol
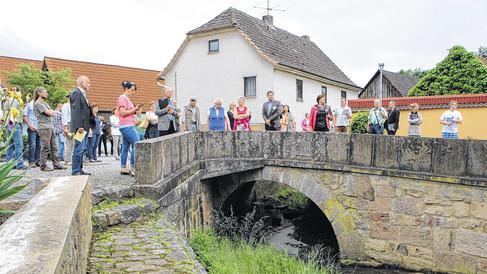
(300, 224)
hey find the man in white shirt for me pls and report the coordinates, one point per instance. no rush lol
(66, 119)
(450, 120)
(342, 116)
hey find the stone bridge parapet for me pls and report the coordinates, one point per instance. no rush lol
(418, 203)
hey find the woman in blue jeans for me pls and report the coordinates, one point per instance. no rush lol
(126, 111)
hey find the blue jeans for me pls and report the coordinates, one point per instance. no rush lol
(377, 129)
(16, 146)
(60, 146)
(78, 150)
(93, 145)
(129, 138)
(34, 146)
(141, 136)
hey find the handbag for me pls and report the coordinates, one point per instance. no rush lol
(144, 123)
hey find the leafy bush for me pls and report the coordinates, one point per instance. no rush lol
(461, 72)
(291, 197)
(221, 255)
(359, 122)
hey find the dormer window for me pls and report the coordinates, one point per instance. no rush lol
(214, 46)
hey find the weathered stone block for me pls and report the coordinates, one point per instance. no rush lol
(128, 213)
(380, 205)
(298, 145)
(249, 145)
(387, 151)
(449, 157)
(113, 217)
(272, 145)
(218, 144)
(416, 154)
(479, 210)
(404, 220)
(100, 220)
(461, 209)
(471, 242)
(407, 205)
(453, 262)
(477, 158)
(379, 217)
(471, 224)
(416, 236)
(438, 210)
(337, 148)
(384, 191)
(361, 146)
(383, 231)
(319, 146)
(442, 240)
(482, 266)
(375, 244)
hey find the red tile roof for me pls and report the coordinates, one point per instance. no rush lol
(106, 81)
(471, 100)
(10, 64)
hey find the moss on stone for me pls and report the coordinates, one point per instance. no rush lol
(108, 204)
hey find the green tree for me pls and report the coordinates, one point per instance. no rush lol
(483, 51)
(461, 72)
(27, 77)
(418, 72)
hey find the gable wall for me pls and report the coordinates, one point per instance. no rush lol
(209, 75)
(373, 89)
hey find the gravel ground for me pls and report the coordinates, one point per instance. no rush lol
(105, 178)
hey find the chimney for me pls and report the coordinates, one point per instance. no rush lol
(305, 37)
(268, 19)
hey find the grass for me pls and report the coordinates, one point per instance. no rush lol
(220, 255)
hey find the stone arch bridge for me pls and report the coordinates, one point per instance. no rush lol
(418, 203)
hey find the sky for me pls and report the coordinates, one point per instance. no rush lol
(355, 34)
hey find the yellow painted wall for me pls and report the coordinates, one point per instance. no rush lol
(474, 124)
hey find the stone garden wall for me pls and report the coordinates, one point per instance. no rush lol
(52, 232)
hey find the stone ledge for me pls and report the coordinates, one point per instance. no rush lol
(123, 213)
(52, 232)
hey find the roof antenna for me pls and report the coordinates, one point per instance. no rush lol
(268, 8)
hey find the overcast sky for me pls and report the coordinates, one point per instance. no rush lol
(355, 34)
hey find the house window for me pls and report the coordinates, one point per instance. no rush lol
(324, 91)
(214, 45)
(250, 84)
(299, 90)
(344, 94)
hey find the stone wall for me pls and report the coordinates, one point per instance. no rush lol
(418, 203)
(52, 232)
(447, 160)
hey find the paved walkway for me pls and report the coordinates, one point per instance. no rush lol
(150, 245)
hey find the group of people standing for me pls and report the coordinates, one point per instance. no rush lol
(277, 117)
(74, 130)
(379, 119)
(42, 136)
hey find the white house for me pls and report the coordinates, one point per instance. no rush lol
(236, 55)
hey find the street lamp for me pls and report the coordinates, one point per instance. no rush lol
(381, 68)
